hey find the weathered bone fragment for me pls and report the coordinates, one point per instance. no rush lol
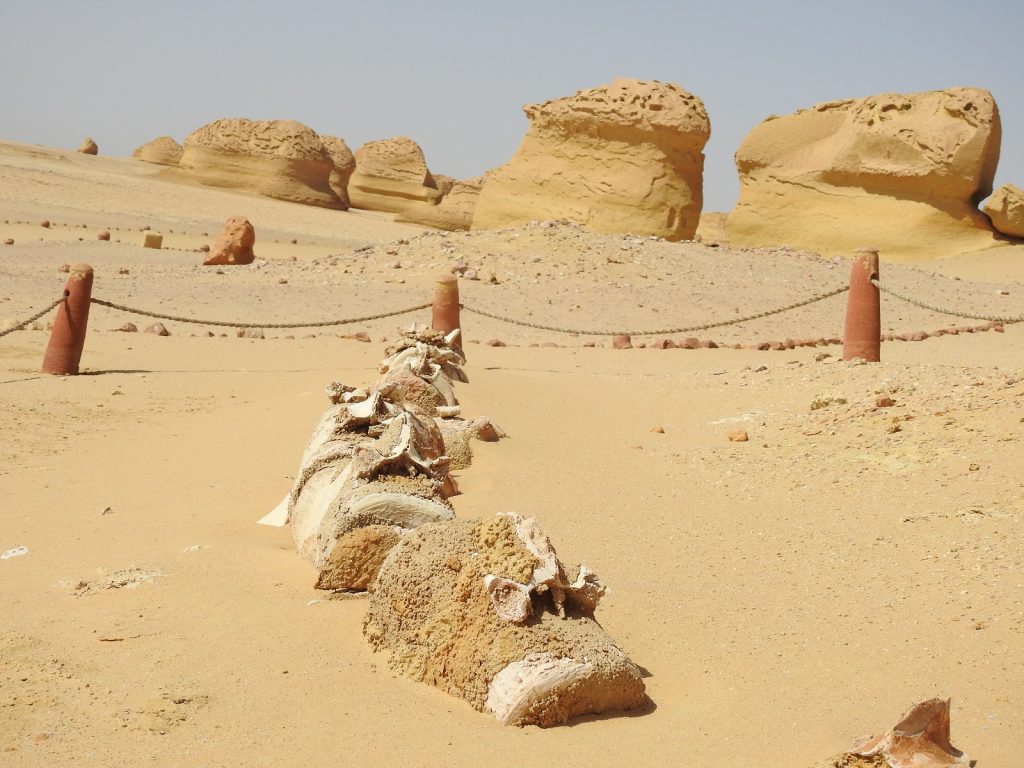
(482, 610)
(919, 740)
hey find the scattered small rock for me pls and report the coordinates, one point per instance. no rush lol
(129, 328)
(739, 436)
(157, 328)
(45, 224)
(64, 268)
(103, 235)
(495, 343)
(622, 341)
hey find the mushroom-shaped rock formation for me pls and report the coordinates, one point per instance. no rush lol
(281, 159)
(162, 150)
(88, 147)
(484, 610)
(1006, 210)
(919, 740)
(234, 244)
(454, 212)
(624, 157)
(344, 165)
(907, 171)
(392, 176)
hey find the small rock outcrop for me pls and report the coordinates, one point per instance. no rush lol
(1006, 210)
(234, 244)
(162, 150)
(391, 175)
(905, 171)
(88, 147)
(624, 157)
(282, 159)
(454, 212)
(484, 610)
(344, 165)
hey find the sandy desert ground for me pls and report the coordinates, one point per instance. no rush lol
(784, 594)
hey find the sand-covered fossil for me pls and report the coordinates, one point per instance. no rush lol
(483, 609)
(919, 740)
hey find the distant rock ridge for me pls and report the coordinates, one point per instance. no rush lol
(624, 157)
(344, 165)
(391, 175)
(454, 212)
(282, 159)
(903, 171)
(162, 150)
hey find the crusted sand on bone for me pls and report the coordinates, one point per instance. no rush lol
(429, 608)
(357, 556)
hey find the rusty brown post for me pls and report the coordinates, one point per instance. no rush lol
(863, 335)
(446, 304)
(67, 338)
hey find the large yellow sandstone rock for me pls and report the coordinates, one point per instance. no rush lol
(391, 175)
(162, 150)
(903, 172)
(624, 157)
(281, 159)
(1006, 210)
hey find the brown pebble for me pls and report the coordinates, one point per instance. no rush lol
(129, 328)
(282, 281)
(884, 402)
(123, 271)
(143, 229)
(658, 430)
(8, 241)
(64, 268)
(104, 235)
(708, 344)
(918, 336)
(590, 344)
(739, 436)
(622, 341)
(204, 248)
(495, 343)
(998, 328)
(45, 224)
(294, 241)
(159, 329)
(690, 342)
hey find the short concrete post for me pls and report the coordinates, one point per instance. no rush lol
(863, 335)
(446, 304)
(64, 351)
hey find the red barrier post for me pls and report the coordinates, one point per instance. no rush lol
(67, 339)
(445, 316)
(863, 335)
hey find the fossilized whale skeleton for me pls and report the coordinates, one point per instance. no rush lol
(480, 608)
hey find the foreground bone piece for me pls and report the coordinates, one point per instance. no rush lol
(483, 610)
(919, 740)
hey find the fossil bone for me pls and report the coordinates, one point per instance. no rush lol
(919, 740)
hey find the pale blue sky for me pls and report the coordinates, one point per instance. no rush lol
(454, 75)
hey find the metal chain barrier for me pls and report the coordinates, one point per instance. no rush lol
(32, 319)
(945, 310)
(224, 323)
(666, 331)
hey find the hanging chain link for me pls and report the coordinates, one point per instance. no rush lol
(225, 323)
(32, 319)
(666, 331)
(944, 310)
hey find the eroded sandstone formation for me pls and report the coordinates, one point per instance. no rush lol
(88, 147)
(904, 172)
(624, 157)
(1005, 208)
(391, 175)
(454, 212)
(484, 610)
(162, 150)
(234, 245)
(344, 165)
(282, 159)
